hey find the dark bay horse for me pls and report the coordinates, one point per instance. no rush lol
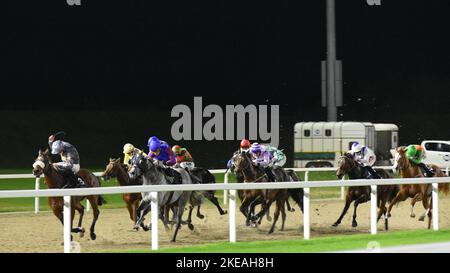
(55, 180)
(415, 191)
(255, 174)
(132, 200)
(361, 194)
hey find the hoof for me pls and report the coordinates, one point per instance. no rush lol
(270, 232)
(145, 228)
(389, 215)
(335, 225)
(201, 216)
(224, 212)
(81, 232)
(191, 226)
(93, 236)
(412, 215)
(172, 241)
(422, 218)
(354, 224)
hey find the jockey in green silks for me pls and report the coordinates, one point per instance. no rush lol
(415, 154)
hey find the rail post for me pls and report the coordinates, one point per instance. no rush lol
(373, 209)
(232, 213)
(446, 170)
(154, 225)
(307, 176)
(88, 205)
(225, 192)
(306, 214)
(36, 199)
(343, 189)
(435, 209)
(67, 224)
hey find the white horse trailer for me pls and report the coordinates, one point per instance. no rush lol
(319, 144)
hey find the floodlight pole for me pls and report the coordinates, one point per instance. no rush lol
(331, 60)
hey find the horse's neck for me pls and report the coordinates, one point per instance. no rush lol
(250, 173)
(410, 171)
(356, 172)
(122, 176)
(52, 178)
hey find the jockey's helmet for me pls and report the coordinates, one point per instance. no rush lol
(245, 144)
(176, 149)
(128, 148)
(57, 147)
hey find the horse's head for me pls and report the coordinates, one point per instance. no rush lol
(345, 165)
(42, 163)
(242, 161)
(139, 165)
(111, 169)
(400, 160)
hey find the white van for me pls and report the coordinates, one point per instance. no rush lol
(320, 144)
(437, 152)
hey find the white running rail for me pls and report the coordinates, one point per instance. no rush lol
(153, 189)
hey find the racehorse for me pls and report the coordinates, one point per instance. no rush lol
(361, 194)
(254, 174)
(155, 175)
(132, 200)
(55, 180)
(415, 191)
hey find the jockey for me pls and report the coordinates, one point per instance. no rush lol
(161, 151)
(70, 164)
(415, 154)
(183, 157)
(365, 156)
(244, 146)
(128, 152)
(263, 158)
(279, 158)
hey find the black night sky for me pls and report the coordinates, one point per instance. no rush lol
(109, 72)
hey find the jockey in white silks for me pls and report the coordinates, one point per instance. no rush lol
(364, 156)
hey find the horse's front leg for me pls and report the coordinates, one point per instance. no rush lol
(348, 201)
(416, 198)
(199, 215)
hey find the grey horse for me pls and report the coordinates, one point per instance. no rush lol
(155, 175)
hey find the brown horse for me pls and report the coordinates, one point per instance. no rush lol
(55, 180)
(415, 191)
(361, 194)
(132, 200)
(254, 174)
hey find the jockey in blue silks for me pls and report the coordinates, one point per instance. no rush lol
(161, 151)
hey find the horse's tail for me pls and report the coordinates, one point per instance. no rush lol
(295, 194)
(444, 187)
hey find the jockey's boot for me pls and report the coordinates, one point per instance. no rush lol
(426, 170)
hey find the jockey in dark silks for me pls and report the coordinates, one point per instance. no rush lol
(161, 153)
(70, 161)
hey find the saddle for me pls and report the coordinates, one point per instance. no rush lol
(174, 175)
(72, 180)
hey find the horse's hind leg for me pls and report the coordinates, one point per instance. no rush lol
(199, 215)
(348, 201)
(214, 200)
(189, 220)
(96, 212)
(276, 215)
(80, 209)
